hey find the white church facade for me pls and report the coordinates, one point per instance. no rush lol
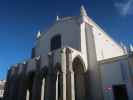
(74, 60)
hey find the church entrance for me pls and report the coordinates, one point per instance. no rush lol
(120, 92)
(79, 76)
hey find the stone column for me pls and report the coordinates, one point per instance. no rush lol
(57, 82)
(27, 95)
(37, 81)
(51, 80)
(43, 89)
(63, 75)
(70, 76)
(14, 84)
(22, 84)
(94, 79)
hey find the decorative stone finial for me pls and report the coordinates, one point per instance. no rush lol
(57, 18)
(125, 49)
(38, 34)
(24, 62)
(37, 58)
(83, 11)
(121, 43)
(131, 47)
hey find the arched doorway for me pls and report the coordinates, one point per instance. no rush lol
(79, 78)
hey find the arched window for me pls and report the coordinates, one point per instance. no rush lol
(55, 42)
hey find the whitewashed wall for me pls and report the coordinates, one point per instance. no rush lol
(115, 73)
(106, 47)
(72, 30)
(70, 33)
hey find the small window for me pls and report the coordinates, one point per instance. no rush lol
(55, 42)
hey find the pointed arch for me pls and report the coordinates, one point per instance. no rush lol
(79, 70)
(78, 59)
(30, 81)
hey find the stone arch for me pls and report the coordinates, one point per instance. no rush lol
(43, 75)
(79, 70)
(30, 79)
(79, 58)
(44, 71)
(58, 81)
(57, 67)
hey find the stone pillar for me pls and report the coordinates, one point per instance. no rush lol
(22, 84)
(63, 75)
(94, 79)
(43, 89)
(51, 80)
(14, 86)
(27, 95)
(46, 89)
(70, 76)
(37, 81)
(57, 82)
(44, 83)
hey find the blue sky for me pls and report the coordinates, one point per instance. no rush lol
(21, 19)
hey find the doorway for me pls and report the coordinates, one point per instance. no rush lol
(120, 92)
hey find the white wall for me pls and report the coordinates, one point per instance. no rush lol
(72, 30)
(83, 42)
(115, 73)
(106, 47)
(70, 33)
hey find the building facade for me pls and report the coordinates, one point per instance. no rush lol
(2, 86)
(74, 60)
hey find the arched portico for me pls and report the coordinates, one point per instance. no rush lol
(78, 68)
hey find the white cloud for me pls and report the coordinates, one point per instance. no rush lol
(125, 8)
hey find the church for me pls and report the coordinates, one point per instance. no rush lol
(74, 60)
